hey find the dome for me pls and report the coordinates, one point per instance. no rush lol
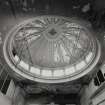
(51, 49)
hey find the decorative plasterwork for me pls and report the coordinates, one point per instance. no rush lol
(51, 49)
(56, 89)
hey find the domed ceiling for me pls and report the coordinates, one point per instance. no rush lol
(51, 49)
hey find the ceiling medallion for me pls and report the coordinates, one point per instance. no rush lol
(51, 49)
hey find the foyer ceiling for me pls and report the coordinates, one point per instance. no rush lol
(10, 16)
(51, 49)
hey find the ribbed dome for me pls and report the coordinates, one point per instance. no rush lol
(51, 47)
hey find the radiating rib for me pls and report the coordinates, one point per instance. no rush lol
(61, 22)
(60, 53)
(67, 50)
(37, 21)
(47, 21)
(28, 49)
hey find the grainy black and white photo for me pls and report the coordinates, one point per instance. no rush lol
(52, 52)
